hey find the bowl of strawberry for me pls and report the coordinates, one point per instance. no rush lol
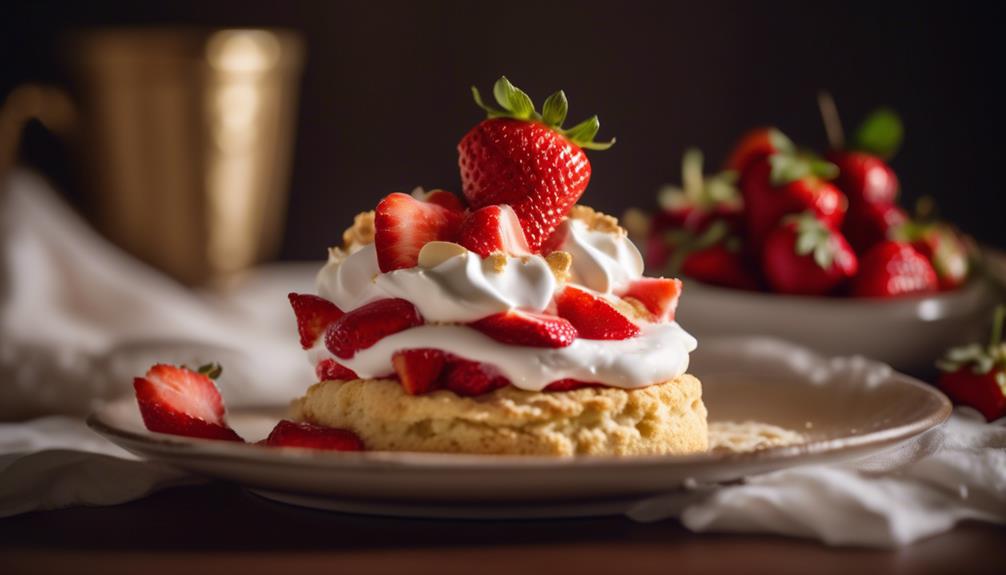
(816, 249)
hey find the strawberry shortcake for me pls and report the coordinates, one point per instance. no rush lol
(512, 321)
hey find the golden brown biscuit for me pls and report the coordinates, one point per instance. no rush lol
(666, 418)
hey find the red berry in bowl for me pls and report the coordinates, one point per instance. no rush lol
(894, 269)
(805, 256)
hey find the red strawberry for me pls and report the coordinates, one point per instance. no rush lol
(868, 224)
(570, 385)
(314, 315)
(807, 257)
(294, 434)
(444, 199)
(892, 269)
(786, 184)
(593, 317)
(403, 225)
(700, 200)
(526, 160)
(720, 265)
(757, 145)
(180, 401)
(418, 369)
(945, 248)
(976, 376)
(493, 229)
(368, 324)
(658, 295)
(864, 178)
(472, 378)
(516, 327)
(331, 370)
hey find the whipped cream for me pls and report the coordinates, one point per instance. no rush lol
(461, 289)
(602, 261)
(659, 353)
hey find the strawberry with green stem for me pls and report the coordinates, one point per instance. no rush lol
(714, 256)
(789, 183)
(757, 145)
(975, 375)
(894, 269)
(805, 256)
(949, 251)
(700, 200)
(526, 159)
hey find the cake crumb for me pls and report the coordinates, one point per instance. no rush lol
(361, 232)
(595, 220)
(745, 436)
(498, 261)
(560, 263)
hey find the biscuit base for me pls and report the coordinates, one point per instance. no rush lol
(665, 418)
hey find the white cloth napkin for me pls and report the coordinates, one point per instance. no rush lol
(80, 319)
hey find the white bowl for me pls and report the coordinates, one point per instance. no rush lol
(908, 333)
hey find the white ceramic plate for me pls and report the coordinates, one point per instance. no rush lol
(846, 407)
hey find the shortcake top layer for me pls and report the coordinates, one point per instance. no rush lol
(452, 286)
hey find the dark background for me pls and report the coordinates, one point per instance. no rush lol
(385, 91)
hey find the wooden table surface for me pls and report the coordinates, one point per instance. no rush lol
(218, 528)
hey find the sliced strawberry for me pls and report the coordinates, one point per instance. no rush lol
(404, 225)
(180, 401)
(331, 370)
(570, 385)
(418, 369)
(658, 295)
(293, 434)
(517, 327)
(368, 324)
(445, 199)
(493, 229)
(593, 317)
(314, 315)
(471, 378)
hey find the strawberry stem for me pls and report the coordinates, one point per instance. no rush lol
(515, 103)
(831, 120)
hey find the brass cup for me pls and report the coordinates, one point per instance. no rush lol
(184, 139)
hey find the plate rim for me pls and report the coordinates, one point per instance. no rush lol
(367, 461)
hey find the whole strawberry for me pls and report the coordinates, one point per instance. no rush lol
(805, 256)
(787, 184)
(527, 160)
(893, 269)
(700, 200)
(975, 375)
(757, 145)
(714, 256)
(945, 248)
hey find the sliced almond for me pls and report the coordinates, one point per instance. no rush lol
(436, 253)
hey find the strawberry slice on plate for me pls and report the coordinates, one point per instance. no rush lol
(403, 225)
(659, 296)
(516, 327)
(179, 401)
(368, 324)
(418, 369)
(593, 317)
(294, 434)
(314, 315)
(493, 229)
(470, 378)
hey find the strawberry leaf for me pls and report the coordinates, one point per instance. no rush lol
(513, 99)
(553, 112)
(211, 370)
(814, 238)
(787, 168)
(880, 134)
